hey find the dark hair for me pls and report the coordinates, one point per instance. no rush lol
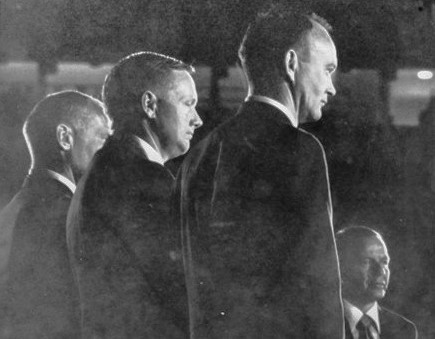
(72, 108)
(353, 235)
(130, 78)
(273, 33)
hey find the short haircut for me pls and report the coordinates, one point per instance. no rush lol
(273, 33)
(354, 235)
(72, 108)
(130, 78)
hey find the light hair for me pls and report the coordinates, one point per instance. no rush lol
(353, 235)
(71, 108)
(274, 33)
(130, 78)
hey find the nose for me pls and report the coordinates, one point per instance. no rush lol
(196, 121)
(331, 88)
(380, 270)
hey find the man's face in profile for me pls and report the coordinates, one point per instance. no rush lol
(177, 118)
(365, 270)
(313, 81)
(87, 141)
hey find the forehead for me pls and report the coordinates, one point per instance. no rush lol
(320, 46)
(375, 246)
(181, 83)
(96, 124)
(367, 247)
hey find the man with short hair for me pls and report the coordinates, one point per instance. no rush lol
(119, 235)
(255, 211)
(62, 132)
(364, 262)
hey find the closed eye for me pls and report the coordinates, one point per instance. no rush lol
(190, 103)
(366, 261)
(331, 69)
(385, 261)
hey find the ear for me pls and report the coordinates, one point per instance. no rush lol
(291, 64)
(64, 135)
(149, 104)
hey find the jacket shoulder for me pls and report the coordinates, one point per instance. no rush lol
(310, 140)
(396, 325)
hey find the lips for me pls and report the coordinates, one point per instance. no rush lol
(379, 285)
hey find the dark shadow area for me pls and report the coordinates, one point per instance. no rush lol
(380, 177)
(14, 160)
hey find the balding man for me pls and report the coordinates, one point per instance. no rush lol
(122, 246)
(365, 268)
(62, 132)
(256, 215)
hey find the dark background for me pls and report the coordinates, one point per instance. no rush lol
(382, 173)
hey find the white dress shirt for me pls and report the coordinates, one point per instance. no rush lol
(276, 104)
(353, 315)
(150, 152)
(64, 180)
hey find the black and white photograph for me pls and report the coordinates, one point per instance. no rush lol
(217, 169)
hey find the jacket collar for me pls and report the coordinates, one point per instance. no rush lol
(272, 102)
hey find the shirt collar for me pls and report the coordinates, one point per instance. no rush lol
(373, 313)
(62, 179)
(353, 315)
(150, 152)
(276, 104)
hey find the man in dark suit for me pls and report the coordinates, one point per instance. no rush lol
(365, 271)
(39, 298)
(256, 216)
(122, 247)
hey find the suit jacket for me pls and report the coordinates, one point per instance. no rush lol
(40, 298)
(393, 326)
(121, 247)
(256, 220)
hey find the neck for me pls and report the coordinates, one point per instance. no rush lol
(152, 139)
(278, 91)
(364, 306)
(61, 168)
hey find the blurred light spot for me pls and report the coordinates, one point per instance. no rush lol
(425, 75)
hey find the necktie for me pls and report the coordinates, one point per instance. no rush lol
(366, 328)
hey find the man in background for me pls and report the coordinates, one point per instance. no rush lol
(365, 272)
(122, 246)
(255, 211)
(62, 133)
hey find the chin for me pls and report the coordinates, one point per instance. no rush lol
(317, 115)
(186, 147)
(314, 116)
(377, 295)
(181, 151)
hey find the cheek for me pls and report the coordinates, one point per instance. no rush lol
(316, 80)
(170, 120)
(319, 84)
(180, 121)
(93, 148)
(361, 275)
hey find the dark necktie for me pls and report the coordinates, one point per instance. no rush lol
(366, 328)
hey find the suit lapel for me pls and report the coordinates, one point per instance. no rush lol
(348, 333)
(387, 328)
(259, 110)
